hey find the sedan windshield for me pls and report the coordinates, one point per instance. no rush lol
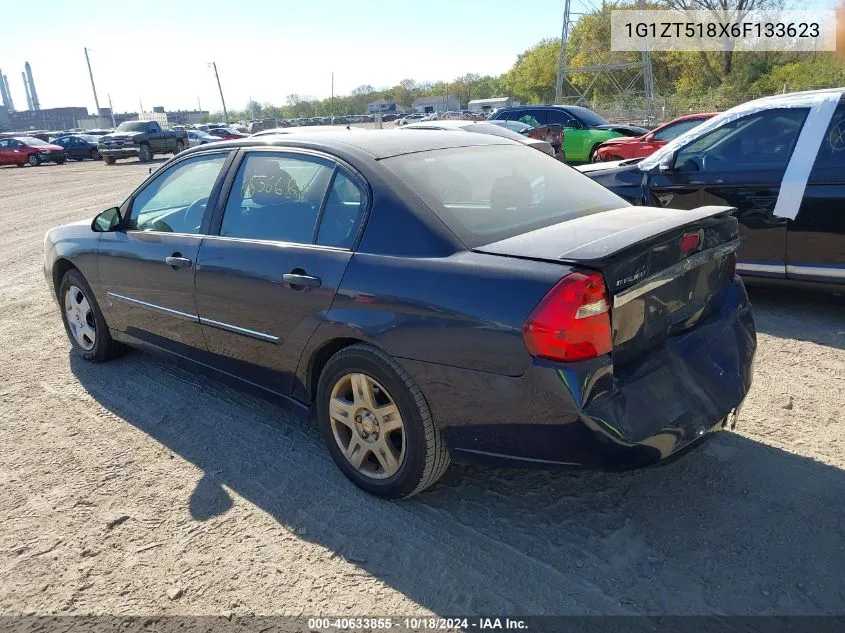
(31, 140)
(490, 193)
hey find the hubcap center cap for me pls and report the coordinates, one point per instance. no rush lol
(367, 424)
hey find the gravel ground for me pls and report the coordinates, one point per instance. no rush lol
(134, 487)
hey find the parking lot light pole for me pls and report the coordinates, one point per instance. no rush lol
(225, 112)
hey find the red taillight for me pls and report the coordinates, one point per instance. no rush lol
(572, 322)
(689, 243)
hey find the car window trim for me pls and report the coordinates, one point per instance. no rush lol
(223, 199)
(126, 207)
(326, 194)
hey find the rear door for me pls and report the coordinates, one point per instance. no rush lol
(281, 245)
(158, 142)
(816, 237)
(739, 164)
(147, 268)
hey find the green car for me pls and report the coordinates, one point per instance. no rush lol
(584, 130)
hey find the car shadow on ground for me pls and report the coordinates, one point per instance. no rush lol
(736, 527)
(818, 317)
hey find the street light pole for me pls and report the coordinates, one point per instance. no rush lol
(332, 94)
(225, 112)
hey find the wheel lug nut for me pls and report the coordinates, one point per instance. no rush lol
(364, 434)
(358, 419)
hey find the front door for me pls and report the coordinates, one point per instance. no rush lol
(147, 268)
(265, 280)
(816, 237)
(739, 164)
(6, 153)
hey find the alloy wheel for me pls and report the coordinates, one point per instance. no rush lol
(367, 426)
(80, 318)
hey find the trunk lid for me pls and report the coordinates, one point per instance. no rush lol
(657, 288)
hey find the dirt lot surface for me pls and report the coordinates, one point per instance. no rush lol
(128, 481)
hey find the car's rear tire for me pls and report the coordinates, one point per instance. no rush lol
(180, 146)
(33, 160)
(61, 161)
(593, 152)
(95, 154)
(145, 155)
(369, 408)
(84, 322)
(110, 160)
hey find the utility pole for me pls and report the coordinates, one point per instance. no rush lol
(648, 76)
(561, 61)
(111, 109)
(93, 87)
(141, 107)
(225, 112)
(332, 94)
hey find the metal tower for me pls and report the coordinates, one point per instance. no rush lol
(28, 96)
(625, 86)
(4, 93)
(33, 95)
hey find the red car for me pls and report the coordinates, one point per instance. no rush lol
(225, 133)
(625, 147)
(27, 150)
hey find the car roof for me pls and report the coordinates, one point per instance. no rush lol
(377, 143)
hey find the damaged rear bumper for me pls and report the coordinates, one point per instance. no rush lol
(592, 414)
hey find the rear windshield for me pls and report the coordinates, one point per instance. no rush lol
(490, 193)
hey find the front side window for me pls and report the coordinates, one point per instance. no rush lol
(277, 197)
(673, 131)
(175, 201)
(490, 193)
(762, 141)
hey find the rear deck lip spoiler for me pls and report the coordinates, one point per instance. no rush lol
(673, 272)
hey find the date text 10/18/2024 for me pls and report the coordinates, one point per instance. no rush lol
(417, 624)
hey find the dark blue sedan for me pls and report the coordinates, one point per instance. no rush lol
(432, 296)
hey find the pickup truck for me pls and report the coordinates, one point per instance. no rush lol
(143, 139)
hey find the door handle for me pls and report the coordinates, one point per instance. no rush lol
(298, 281)
(176, 261)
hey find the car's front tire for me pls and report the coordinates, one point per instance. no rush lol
(110, 160)
(145, 155)
(84, 322)
(95, 154)
(377, 424)
(33, 160)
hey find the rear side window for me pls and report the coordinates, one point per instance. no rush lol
(342, 213)
(277, 197)
(490, 193)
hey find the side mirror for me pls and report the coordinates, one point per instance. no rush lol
(572, 123)
(106, 221)
(667, 162)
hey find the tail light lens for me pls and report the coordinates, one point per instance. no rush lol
(572, 322)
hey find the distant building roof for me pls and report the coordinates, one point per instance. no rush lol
(493, 100)
(380, 102)
(432, 100)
